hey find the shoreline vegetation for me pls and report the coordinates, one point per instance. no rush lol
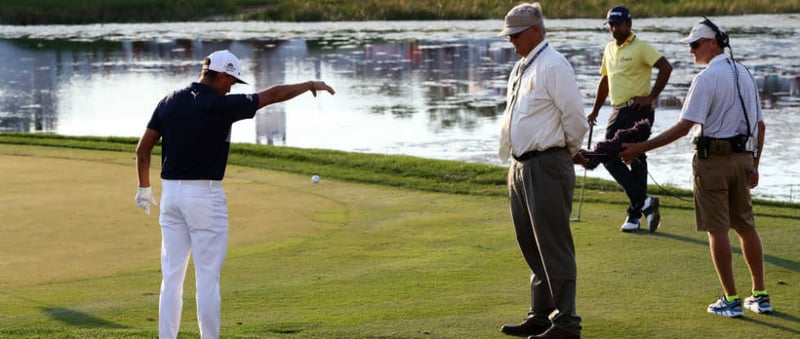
(42, 12)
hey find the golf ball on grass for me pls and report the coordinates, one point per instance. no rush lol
(315, 178)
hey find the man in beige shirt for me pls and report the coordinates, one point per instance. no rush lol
(543, 127)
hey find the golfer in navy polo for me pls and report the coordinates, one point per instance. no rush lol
(194, 125)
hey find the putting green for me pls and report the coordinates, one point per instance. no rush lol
(346, 260)
(66, 218)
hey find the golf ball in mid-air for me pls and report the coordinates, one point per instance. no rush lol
(315, 178)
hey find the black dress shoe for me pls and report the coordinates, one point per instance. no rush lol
(526, 328)
(556, 333)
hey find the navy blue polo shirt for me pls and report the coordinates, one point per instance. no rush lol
(195, 126)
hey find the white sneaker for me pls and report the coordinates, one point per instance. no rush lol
(651, 213)
(630, 225)
(725, 308)
(759, 304)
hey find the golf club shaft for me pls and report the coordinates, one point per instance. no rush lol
(583, 184)
(589, 143)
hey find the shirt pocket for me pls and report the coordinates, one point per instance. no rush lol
(532, 94)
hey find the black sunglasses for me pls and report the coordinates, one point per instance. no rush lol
(696, 44)
(515, 36)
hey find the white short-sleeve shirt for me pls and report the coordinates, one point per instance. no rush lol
(713, 99)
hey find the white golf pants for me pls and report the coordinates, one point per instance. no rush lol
(194, 220)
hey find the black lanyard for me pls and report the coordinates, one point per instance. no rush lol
(520, 71)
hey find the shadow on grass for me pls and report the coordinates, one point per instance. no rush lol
(774, 314)
(788, 264)
(286, 328)
(78, 319)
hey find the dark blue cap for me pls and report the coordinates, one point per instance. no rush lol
(618, 14)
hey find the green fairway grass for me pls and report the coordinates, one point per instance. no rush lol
(421, 256)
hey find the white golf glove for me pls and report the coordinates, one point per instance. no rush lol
(144, 197)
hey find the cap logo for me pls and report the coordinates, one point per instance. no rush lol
(230, 68)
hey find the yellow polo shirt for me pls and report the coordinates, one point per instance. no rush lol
(629, 68)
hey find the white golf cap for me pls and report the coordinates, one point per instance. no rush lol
(522, 17)
(225, 62)
(701, 31)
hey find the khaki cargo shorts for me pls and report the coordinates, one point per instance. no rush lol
(722, 192)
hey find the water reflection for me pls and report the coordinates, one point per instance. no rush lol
(431, 89)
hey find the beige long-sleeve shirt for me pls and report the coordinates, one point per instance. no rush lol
(549, 110)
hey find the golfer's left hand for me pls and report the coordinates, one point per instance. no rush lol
(144, 197)
(321, 86)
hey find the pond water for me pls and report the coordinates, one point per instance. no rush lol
(429, 89)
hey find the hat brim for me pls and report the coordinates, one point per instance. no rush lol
(512, 30)
(701, 31)
(239, 81)
(689, 40)
(614, 21)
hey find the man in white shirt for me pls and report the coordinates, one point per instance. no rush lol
(723, 100)
(543, 128)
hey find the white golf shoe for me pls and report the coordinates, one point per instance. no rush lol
(630, 225)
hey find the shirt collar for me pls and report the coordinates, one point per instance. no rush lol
(628, 41)
(720, 57)
(534, 51)
(201, 86)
